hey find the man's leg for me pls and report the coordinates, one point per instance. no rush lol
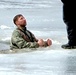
(69, 19)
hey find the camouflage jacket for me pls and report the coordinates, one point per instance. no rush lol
(23, 39)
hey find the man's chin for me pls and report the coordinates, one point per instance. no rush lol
(23, 25)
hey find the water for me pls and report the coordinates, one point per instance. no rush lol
(44, 19)
(41, 62)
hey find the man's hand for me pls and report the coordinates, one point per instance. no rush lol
(41, 42)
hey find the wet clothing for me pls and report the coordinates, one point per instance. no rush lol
(69, 15)
(23, 39)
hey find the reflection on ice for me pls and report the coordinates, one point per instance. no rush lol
(44, 62)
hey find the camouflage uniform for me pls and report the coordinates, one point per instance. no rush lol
(23, 39)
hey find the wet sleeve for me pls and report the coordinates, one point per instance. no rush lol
(21, 43)
(33, 36)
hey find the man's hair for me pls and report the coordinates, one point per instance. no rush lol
(16, 18)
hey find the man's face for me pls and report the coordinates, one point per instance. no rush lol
(21, 21)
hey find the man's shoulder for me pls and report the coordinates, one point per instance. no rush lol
(16, 31)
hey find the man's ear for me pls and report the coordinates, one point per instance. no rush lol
(16, 22)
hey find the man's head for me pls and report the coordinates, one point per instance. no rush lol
(19, 20)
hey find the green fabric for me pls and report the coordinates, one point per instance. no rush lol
(18, 42)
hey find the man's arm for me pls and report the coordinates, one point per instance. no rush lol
(33, 36)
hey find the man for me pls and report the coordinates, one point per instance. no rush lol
(69, 17)
(23, 38)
